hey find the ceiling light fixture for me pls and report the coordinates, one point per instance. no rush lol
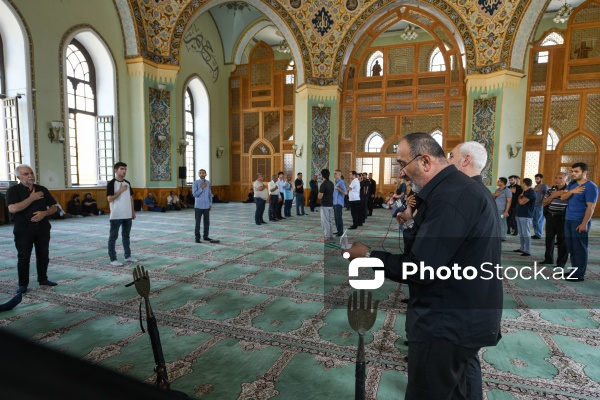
(563, 13)
(409, 33)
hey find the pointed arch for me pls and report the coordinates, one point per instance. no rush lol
(99, 148)
(374, 142)
(200, 153)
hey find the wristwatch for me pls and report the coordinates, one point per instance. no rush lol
(368, 254)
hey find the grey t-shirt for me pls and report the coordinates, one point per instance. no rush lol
(501, 200)
(540, 191)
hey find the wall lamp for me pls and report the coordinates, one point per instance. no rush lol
(220, 151)
(297, 150)
(161, 87)
(321, 146)
(511, 152)
(56, 132)
(321, 105)
(160, 140)
(182, 145)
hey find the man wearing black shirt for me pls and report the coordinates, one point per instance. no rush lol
(364, 197)
(299, 185)
(326, 197)
(31, 206)
(516, 190)
(314, 192)
(449, 318)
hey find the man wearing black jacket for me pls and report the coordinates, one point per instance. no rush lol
(372, 193)
(448, 317)
(314, 192)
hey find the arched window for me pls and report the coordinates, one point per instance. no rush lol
(289, 78)
(552, 39)
(197, 129)
(436, 61)
(552, 140)
(189, 136)
(437, 135)
(81, 97)
(376, 58)
(374, 143)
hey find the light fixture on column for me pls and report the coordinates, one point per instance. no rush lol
(321, 105)
(321, 146)
(220, 151)
(161, 87)
(182, 145)
(409, 33)
(56, 132)
(563, 13)
(297, 150)
(159, 140)
(511, 152)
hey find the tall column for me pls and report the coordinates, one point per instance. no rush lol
(149, 145)
(496, 105)
(317, 126)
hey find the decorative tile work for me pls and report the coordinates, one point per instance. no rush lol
(536, 114)
(401, 60)
(564, 114)
(592, 114)
(251, 121)
(159, 121)
(488, 43)
(421, 123)
(321, 133)
(455, 119)
(347, 123)
(365, 126)
(579, 144)
(484, 132)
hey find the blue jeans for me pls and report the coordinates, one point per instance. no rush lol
(115, 224)
(577, 245)
(524, 234)
(287, 209)
(260, 210)
(300, 203)
(538, 220)
(337, 214)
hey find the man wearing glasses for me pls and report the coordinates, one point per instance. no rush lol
(450, 318)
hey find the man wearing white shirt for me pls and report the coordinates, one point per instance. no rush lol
(354, 198)
(281, 186)
(122, 213)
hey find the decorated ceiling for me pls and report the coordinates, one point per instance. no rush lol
(324, 32)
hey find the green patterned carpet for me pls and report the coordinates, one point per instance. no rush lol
(254, 318)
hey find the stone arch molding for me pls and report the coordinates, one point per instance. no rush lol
(462, 36)
(527, 28)
(274, 11)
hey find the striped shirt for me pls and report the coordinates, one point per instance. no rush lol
(557, 206)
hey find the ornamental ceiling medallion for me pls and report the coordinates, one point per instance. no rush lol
(489, 6)
(322, 21)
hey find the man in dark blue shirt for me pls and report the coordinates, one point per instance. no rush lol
(582, 195)
(450, 318)
(525, 211)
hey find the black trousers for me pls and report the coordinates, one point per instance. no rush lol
(363, 209)
(26, 237)
(313, 200)
(355, 211)
(370, 205)
(438, 370)
(512, 221)
(273, 199)
(555, 226)
(200, 212)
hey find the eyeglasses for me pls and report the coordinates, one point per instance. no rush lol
(403, 166)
